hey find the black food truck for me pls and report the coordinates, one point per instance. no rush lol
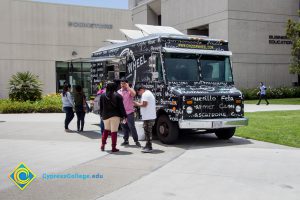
(190, 76)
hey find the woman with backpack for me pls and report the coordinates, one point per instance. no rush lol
(111, 111)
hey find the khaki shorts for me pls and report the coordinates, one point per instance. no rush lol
(112, 124)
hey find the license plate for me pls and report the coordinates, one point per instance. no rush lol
(217, 124)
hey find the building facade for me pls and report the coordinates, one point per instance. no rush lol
(39, 37)
(255, 30)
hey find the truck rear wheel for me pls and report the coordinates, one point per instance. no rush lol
(225, 133)
(166, 130)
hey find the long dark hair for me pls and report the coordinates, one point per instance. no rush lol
(66, 89)
(111, 88)
(78, 89)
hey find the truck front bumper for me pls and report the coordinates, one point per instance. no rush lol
(212, 123)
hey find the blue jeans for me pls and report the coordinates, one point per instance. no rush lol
(80, 120)
(69, 116)
(129, 127)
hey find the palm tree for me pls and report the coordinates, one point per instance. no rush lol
(25, 86)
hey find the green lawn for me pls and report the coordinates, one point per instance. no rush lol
(280, 127)
(288, 101)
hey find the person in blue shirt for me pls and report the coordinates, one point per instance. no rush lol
(262, 93)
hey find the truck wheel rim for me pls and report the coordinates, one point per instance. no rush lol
(164, 129)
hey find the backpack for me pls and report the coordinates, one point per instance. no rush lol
(96, 107)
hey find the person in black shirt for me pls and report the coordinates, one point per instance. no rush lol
(111, 111)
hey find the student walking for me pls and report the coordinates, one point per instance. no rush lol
(111, 111)
(262, 93)
(128, 126)
(68, 105)
(148, 112)
(80, 101)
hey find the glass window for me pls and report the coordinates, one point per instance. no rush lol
(159, 67)
(61, 75)
(75, 74)
(86, 67)
(216, 68)
(181, 67)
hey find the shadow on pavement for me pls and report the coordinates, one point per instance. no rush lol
(119, 153)
(157, 151)
(90, 134)
(199, 141)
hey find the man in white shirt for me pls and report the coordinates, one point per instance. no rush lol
(148, 112)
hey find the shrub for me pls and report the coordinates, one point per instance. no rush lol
(48, 104)
(273, 93)
(25, 86)
(250, 94)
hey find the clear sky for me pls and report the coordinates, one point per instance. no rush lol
(121, 4)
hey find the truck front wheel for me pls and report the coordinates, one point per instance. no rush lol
(166, 130)
(225, 133)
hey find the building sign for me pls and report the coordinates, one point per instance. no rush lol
(279, 39)
(90, 25)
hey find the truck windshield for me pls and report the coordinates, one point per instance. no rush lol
(215, 68)
(185, 67)
(181, 67)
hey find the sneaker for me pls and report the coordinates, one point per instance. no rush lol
(147, 149)
(125, 143)
(68, 131)
(138, 144)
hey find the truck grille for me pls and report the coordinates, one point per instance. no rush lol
(208, 107)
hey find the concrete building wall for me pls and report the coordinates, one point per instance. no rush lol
(250, 26)
(140, 15)
(247, 26)
(35, 35)
(184, 15)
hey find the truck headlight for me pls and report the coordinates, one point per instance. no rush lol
(238, 109)
(189, 110)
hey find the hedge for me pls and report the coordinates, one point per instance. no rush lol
(273, 93)
(48, 104)
(52, 103)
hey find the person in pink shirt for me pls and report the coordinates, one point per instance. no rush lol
(128, 126)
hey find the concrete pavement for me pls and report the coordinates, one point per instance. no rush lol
(198, 167)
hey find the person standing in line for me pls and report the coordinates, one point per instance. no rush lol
(148, 112)
(262, 93)
(79, 99)
(128, 126)
(68, 105)
(97, 105)
(111, 111)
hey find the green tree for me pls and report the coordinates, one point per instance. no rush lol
(25, 86)
(293, 33)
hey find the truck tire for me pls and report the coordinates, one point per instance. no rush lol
(225, 133)
(166, 130)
